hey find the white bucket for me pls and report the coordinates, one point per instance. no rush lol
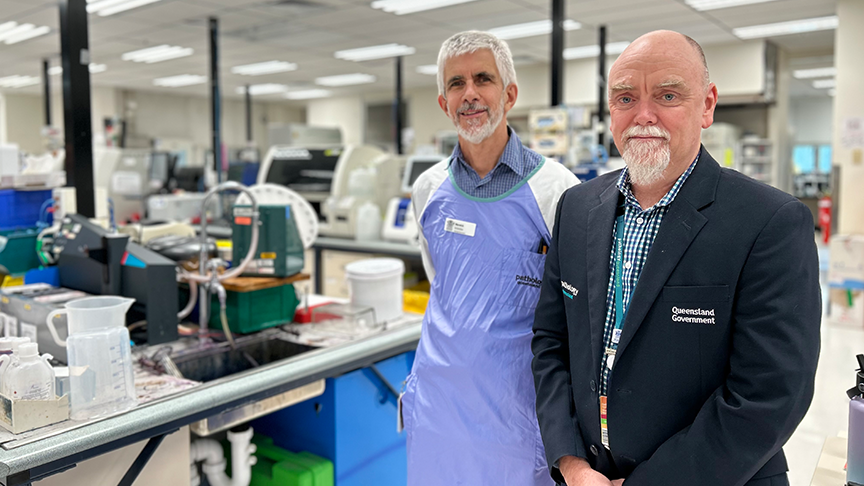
(377, 283)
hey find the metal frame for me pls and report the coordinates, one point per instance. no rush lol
(373, 247)
(557, 54)
(75, 55)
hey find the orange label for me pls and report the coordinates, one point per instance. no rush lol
(243, 221)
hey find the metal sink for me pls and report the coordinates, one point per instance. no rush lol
(220, 360)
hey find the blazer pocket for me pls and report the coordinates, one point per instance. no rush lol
(696, 294)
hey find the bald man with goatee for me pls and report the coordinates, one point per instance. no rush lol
(677, 332)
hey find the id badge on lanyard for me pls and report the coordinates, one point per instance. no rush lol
(612, 350)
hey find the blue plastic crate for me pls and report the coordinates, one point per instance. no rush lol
(20, 209)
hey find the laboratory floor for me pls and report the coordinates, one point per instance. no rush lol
(829, 413)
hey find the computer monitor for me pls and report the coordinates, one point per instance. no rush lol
(417, 165)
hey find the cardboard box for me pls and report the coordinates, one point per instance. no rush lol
(846, 265)
(19, 416)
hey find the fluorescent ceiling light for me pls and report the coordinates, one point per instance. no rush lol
(307, 94)
(269, 67)
(345, 79)
(530, 29)
(94, 69)
(825, 83)
(702, 5)
(815, 73)
(375, 52)
(402, 7)
(18, 81)
(158, 54)
(12, 33)
(5, 27)
(31, 34)
(263, 89)
(104, 8)
(613, 48)
(180, 81)
(429, 69)
(785, 28)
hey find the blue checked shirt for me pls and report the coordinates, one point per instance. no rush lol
(640, 229)
(514, 165)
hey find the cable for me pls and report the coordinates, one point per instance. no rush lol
(193, 298)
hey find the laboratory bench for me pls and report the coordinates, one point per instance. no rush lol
(31, 456)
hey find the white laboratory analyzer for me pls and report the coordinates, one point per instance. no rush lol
(399, 223)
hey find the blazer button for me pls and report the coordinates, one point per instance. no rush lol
(594, 450)
(593, 386)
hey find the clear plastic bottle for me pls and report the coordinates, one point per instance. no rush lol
(30, 377)
(8, 354)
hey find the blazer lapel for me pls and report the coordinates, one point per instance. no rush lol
(599, 249)
(680, 226)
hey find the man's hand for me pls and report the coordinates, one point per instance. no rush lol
(618, 482)
(577, 472)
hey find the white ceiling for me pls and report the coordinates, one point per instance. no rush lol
(308, 32)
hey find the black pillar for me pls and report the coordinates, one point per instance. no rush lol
(397, 107)
(46, 91)
(215, 100)
(75, 55)
(557, 53)
(248, 113)
(601, 88)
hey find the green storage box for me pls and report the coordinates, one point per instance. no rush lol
(19, 255)
(256, 303)
(278, 467)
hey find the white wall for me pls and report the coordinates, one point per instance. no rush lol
(156, 115)
(849, 102)
(347, 113)
(812, 119)
(426, 117)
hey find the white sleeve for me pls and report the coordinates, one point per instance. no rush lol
(424, 187)
(548, 185)
(424, 245)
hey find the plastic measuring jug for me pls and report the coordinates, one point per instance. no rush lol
(99, 356)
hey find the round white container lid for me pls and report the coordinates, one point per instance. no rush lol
(375, 268)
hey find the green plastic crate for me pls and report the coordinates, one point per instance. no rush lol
(256, 310)
(19, 255)
(278, 467)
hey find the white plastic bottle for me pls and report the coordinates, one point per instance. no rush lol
(30, 377)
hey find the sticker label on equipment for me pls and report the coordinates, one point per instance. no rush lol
(243, 221)
(268, 256)
(460, 227)
(241, 211)
(265, 263)
(10, 327)
(269, 271)
(28, 331)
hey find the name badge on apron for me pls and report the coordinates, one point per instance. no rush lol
(460, 227)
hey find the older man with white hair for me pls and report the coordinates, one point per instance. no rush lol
(485, 216)
(677, 333)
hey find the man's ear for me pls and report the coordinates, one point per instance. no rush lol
(442, 102)
(710, 105)
(511, 92)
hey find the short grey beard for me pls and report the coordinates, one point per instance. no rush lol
(646, 161)
(479, 134)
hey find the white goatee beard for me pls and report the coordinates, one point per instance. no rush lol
(646, 159)
(477, 133)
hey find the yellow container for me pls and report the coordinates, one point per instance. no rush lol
(415, 301)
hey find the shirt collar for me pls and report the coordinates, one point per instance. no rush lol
(511, 157)
(626, 189)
